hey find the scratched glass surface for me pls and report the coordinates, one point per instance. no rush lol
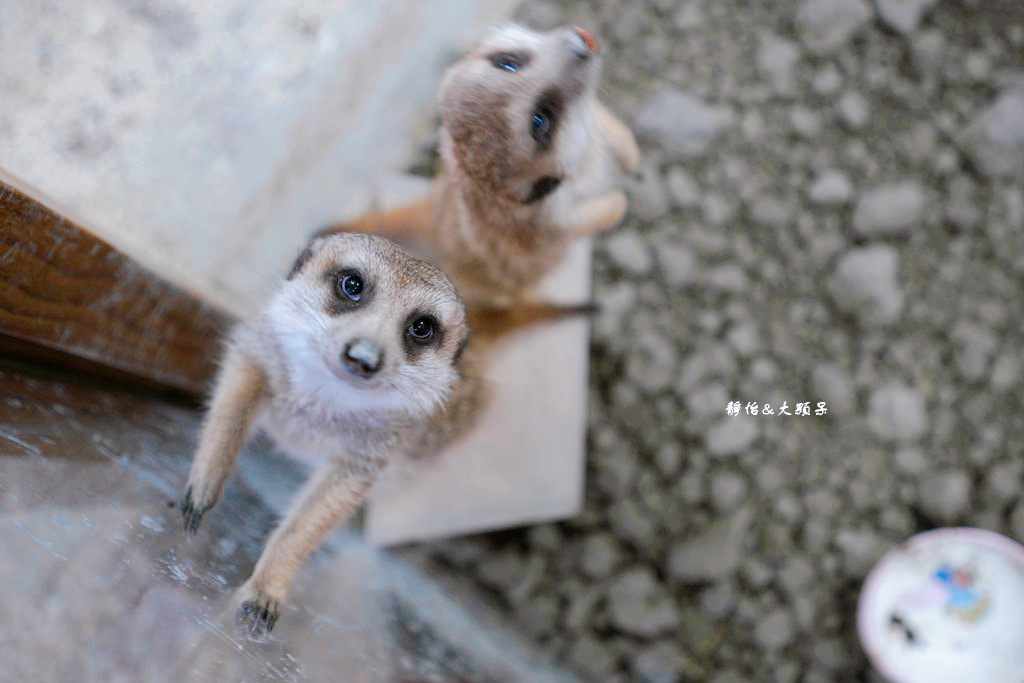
(98, 582)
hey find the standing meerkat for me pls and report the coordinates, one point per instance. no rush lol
(355, 361)
(528, 158)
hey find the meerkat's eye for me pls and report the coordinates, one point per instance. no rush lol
(350, 285)
(422, 329)
(507, 61)
(541, 124)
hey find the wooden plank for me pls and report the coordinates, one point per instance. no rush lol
(63, 289)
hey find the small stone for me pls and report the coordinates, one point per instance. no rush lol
(770, 212)
(728, 490)
(668, 458)
(994, 139)
(631, 524)
(902, 16)
(889, 209)
(928, 51)
(712, 554)
(682, 188)
(827, 81)
(678, 264)
(756, 573)
(652, 363)
(728, 277)
(1006, 371)
(832, 654)
(681, 122)
(662, 662)
(796, 574)
(831, 188)
(826, 25)
(592, 656)
(716, 209)
(865, 285)
(775, 60)
(911, 461)
(861, 549)
(629, 251)
(744, 338)
(945, 496)
(896, 413)
(853, 110)
(545, 537)
(805, 122)
(539, 616)
(599, 555)
(732, 434)
(707, 362)
(832, 385)
(502, 571)
(706, 402)
(639, 606)
(775, 631)
(974, 348)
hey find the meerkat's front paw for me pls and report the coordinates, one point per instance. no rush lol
(196, 502)
(259, 611)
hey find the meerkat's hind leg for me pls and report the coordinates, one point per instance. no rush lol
(239, 394)
(619, 137)
(330, 496)
(412, 221)
(600, 213)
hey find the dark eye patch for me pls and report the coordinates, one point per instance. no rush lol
(420, 331)
(542, 187)
(350, 289)
(544, 119)
(509, 61)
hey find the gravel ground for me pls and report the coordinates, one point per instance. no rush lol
(830, 209)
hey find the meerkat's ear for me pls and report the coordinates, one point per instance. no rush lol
(304, 256)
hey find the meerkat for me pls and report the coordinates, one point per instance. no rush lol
(356, 360)
(528, 158)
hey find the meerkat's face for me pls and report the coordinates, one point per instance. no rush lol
(367, 326)
(517, 109)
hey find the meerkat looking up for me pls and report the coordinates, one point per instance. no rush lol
(355, 361)
(528, 158)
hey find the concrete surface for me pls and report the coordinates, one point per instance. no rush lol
(209, 139)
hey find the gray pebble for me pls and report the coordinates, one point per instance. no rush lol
(638, 605)
(945, 495)
(865, 284)
(713, 553)
(889, 209)
(826, 25)
(896, 413)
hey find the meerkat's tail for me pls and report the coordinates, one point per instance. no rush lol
(489, 323)
(409, 222)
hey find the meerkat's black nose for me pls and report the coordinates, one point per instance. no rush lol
(362, 358)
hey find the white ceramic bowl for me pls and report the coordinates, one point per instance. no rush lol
(947, 606)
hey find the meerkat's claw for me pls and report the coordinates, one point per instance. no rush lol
(192, 513)
(259, 614)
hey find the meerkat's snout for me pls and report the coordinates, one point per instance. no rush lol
(590, 44)
(362, 358)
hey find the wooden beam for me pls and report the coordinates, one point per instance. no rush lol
(64, 289)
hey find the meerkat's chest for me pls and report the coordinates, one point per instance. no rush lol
(312, 438)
